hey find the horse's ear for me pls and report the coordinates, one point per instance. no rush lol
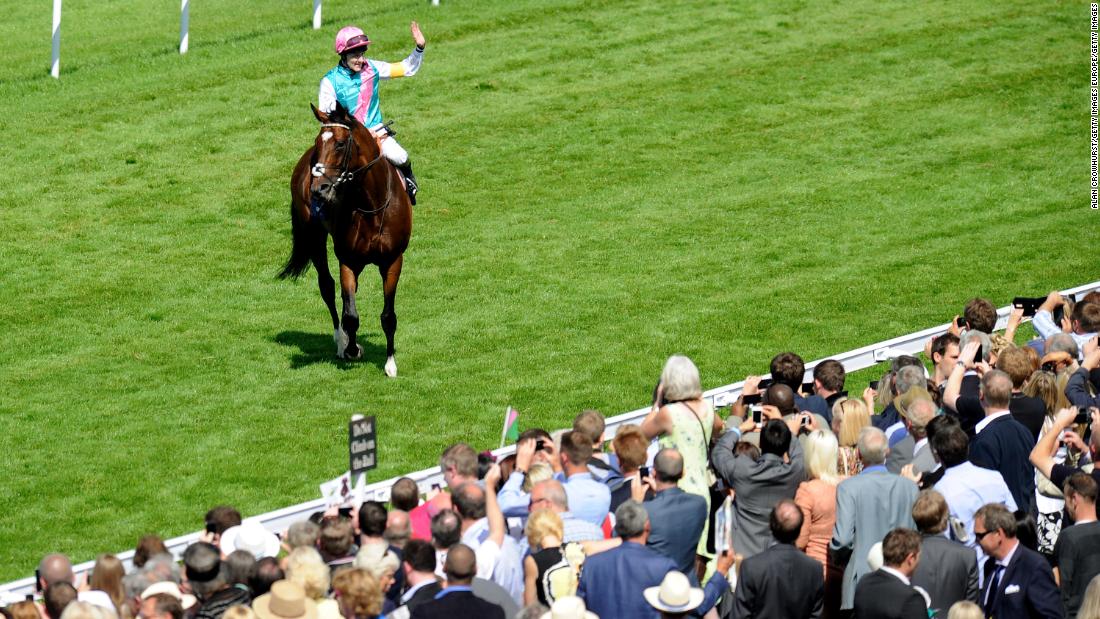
(340, 113)
(318, 113)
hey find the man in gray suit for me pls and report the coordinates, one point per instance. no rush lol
(676, 518)
(948, 570)
(868, 506)
(917, 410)
(759, 484)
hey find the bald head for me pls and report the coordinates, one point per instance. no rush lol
(781, 397)
(996, 390)
(549, 493)
(469, 501)
(786, 521)
(53, 568)
(460, 566)
(669, 466)
(398, 528)
(919, 415)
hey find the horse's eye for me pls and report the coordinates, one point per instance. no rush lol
(341, 143)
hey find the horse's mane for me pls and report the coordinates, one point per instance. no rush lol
(340, 115)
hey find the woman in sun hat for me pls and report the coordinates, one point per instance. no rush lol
(286, 600)
(252, 537)
(354, 83)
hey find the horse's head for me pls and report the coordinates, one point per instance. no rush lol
(343, 148)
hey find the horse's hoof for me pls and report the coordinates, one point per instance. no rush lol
(391, 367)
(354, 351)
(341, 340)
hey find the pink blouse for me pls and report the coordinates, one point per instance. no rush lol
(817, 499)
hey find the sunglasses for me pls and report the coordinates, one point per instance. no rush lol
(980, 536)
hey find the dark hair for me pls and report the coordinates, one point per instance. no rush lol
(167, 605)
(1081, 485)
(745, 448)
(372, 519)
(940, 344)
(336, 539)
(830, 373)
(576, 447)
(202, 563)
(223, 517)
(980, 315)
(57, 597)
(148, 546)
(938, 423)
(899, 544)
(1087, 315)
(469, 501)
(775, 438)
(446, 528)
(951, 445)
(267, 572)
(404, 495)
(1027, 530)
(787, 368)
(420, 555)
(996, 516)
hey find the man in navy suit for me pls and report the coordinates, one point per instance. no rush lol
(886, 593)
(676, 518)
(781, 581)
(1018, 581)
(457, 600)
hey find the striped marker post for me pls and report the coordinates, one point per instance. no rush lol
(185, 18)
(55, 56)
(316, 14)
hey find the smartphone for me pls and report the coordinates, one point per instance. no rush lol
(37, 581)
(643, 471)
(960, 322)
(211, 527)
(345, 512)
(808, 388)
(978, 355)
(755, 398)
(805, 423)
(873, 385)
(765, 383)
(540, 444)
(757, 413)
(1082, 416)
(1058, 314)
(1030, 305)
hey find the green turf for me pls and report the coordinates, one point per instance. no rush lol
(604, 184)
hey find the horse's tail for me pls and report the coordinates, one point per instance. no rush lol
(300, 251)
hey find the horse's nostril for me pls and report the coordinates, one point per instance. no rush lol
(325, 187)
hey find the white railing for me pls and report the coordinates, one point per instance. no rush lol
(853, 360)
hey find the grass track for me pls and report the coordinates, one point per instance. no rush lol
(605, 183)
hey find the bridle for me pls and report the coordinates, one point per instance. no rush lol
(344, 175)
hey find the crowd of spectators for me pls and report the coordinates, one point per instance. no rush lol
(965, 489)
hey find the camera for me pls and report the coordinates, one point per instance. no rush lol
(540, 445)
(1030, 305)
(643, 471)
(757, 413)
(1082, 416)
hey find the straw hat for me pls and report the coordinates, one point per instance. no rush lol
(287, 600)
(675, 595)
(170, 588)
(569, 607)
(250, 536)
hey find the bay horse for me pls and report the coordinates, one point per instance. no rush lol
(343, 187)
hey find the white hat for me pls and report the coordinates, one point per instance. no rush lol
(168, 587)
(675, 595)
(95, 597)
(569, 607)
(250, 536)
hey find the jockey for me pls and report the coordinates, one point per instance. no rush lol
(354, 83)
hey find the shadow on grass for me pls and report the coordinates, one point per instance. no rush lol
(314, 348)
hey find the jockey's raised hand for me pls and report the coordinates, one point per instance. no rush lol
(418, 37)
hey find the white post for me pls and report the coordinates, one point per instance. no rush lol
(316, 14)
(185, 14)
(435, 2)
(55, 58)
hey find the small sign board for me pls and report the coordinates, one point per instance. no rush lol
(362, 445)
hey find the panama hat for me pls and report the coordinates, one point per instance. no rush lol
(286, 600)
(168, 587)
(569, 607)
(250, 536)
(675, 595)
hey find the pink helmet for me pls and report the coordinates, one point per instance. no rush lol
(350, 38)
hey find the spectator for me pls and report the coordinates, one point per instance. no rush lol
(240, 566)
(965, 487)
(383, 564)
(944, 353)
(759, 484)
(1044, 385)
(849, 419)
(980, 315)
(948, 570)
(337, 542)
(483, 531)
(829, 382)
(676, 518)
(86, 610)
(56, 597)
(459, 466)
(251, 537)
(544, 534)
(684, 421)
(398, 530)
(107, 577)
(162, 606)
(1029, 411)
(404, 495)
(630, 448)
(218, 519)
(1090, 608)
(887, 593)
(787, 368)
(457, 600)
(23, 610)
(1017, 581)
(917, 411)
(446, 532)
(54, 567)
(551, 494)
(588, 498)
(906, 377)
(1082, 323)
(1043, 454)
(148, 546)
(303, 533)
(674, 598)
(816, 497)
(1077, 553)
(419, 567)
(1077, 388)
(286, 600)
(591, 424)
(780, 581)
(268, 572)
(867, 507)
(358, 593)
(373, 521)
(206, 575)
(306, 568)
(534, 448)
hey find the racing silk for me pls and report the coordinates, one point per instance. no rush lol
(358, 92)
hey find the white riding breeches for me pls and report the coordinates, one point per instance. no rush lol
(394, 152)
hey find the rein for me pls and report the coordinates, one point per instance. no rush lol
(319, 169)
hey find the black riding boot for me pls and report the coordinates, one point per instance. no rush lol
(410, 180)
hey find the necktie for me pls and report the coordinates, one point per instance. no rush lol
(994, 583)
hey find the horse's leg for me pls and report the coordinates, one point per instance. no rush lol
(349, 283)
(390, 274)
(327, 286)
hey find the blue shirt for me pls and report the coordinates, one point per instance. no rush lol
(589, 500)
(966, 488)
